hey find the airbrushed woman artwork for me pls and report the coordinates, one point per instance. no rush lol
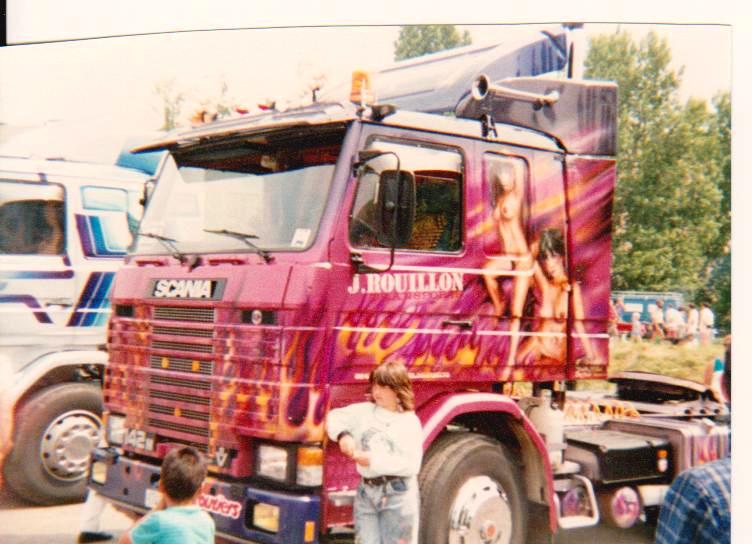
(507, 177)
(552, 288)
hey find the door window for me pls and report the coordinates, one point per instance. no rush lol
(438, 175)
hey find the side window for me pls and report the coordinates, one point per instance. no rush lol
(110, 228)
(437, 171)
(32, 219)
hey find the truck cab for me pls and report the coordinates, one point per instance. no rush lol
(64, 230)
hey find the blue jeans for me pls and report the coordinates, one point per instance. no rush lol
(387, 514)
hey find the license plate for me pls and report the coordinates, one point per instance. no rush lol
(151, 498)
(138, 439)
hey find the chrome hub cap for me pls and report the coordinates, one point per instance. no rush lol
(480, 514)
(67, 444)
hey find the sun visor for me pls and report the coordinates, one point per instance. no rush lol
(581, 114)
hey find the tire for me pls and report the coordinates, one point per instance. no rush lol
(471, 493)
(55, 431)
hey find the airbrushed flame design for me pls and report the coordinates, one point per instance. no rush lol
(379, 328)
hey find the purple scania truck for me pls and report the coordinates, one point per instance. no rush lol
(285, 255)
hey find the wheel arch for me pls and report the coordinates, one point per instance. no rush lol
(54, 368)
(498, 417)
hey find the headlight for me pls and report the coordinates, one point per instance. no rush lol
(310, 466)
(99, 472)
(115, 429)
(271, 461)
(266, 517)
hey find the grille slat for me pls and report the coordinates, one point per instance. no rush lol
(181, 331)
(180, 397)
(182, 364)
(181, 382)
(181, 346)
(179, 427)
(182, 313)
(184, 412)
(203, 448)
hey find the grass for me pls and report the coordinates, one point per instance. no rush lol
(682, 361)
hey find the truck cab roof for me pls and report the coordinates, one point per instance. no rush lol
(71, 169)
(335, 113)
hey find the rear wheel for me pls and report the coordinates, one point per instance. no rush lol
(55, 432)
(471, 493)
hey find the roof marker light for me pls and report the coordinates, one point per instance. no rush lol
(360, 89)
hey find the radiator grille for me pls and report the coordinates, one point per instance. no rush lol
(182, 313)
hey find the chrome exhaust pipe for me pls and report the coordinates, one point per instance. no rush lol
(482, 88)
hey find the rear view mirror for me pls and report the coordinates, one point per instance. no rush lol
(397, 208)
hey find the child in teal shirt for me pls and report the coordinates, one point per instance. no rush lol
(177, 519)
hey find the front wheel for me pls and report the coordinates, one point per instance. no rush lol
(55, 432)
(471, 493)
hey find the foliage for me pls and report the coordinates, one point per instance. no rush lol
(417, 40)
(672, 202)
(172, 99)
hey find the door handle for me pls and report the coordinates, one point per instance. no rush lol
(462, 324)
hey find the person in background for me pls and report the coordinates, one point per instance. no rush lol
(636, 332)
(715, 370)
(674, 323)
(657, 330)
(697, 507)
(621, 308)
(384, 438)
(693, 324)
(177, 519)
(707, 321)
(613, 320)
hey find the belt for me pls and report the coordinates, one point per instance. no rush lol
(381, 480)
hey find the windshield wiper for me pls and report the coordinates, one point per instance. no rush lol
(169, 243)
(246, 239)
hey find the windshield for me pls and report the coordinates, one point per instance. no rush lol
(241, 197)
(32, 219)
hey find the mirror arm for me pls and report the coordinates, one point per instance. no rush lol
(362, 268)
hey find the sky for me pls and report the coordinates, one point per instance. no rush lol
(102, 90)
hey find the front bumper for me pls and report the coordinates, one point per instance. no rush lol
(132, 485)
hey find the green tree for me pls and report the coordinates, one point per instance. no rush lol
(668, 207)
(718, 287)
(417, 40)
(721, 136)
(172, 99)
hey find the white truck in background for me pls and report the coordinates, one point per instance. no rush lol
(65, 228)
